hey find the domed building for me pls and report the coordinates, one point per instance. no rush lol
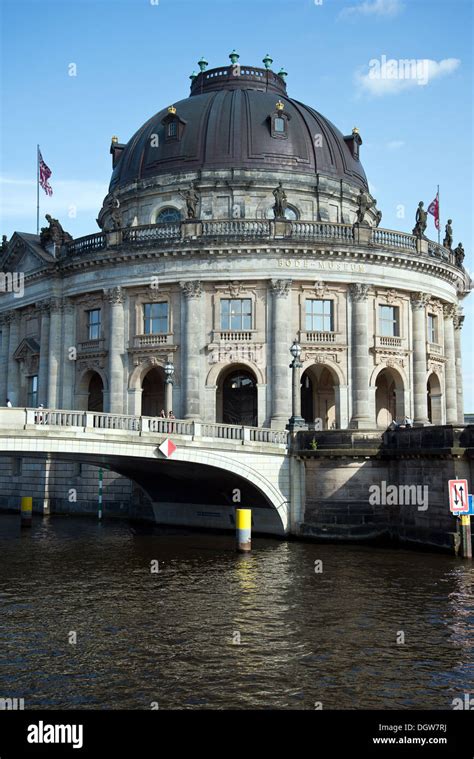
(237, 221)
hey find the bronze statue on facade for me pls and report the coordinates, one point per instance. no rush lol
(364, 203)
(421, 221)
(280, 202)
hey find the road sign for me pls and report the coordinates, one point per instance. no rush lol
(167, 447)
(458, 496)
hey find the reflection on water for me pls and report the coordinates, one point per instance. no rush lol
(169, 637)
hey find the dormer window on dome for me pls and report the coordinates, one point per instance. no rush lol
(279, 121)
(174, 125)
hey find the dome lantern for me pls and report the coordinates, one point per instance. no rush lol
(234, 57)
(267, 61)
(202, 63)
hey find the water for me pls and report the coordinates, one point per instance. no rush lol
(169, 637)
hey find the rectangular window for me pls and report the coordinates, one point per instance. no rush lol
(279, 124)
(319, 315)
(32, 397)
(155, 318)
(389, 321)
(432, 328)
(172, 129)
(93, 324)
(236, 313)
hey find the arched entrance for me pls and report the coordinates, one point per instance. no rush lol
(153, 392)
(96, 393)
(433, 389)
(389, 403)
(237, 397)
(318, 396)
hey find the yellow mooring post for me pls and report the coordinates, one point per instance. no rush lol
(26, 510)
(466, 536)
(243, 523)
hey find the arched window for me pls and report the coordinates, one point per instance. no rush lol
(168, 214)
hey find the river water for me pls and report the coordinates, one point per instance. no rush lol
(215, 629)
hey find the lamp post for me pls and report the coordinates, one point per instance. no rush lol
(296, 420)
(169, 372)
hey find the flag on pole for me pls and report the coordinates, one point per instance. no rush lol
(44, 174)
(433, 209)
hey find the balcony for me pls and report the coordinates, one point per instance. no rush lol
(92, 346)
(383, 341)
(318, 337)
(435, 349)
(153, 341)
(233, 336)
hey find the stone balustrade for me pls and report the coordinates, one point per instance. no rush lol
(86, 421)
(153, 235)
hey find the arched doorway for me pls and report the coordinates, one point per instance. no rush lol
(153, 392)
(433, 389)
(318, 396)
(389, 398)
(237, 397)
(95, 400)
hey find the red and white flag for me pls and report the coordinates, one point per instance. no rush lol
(44, 174)
(433, 209)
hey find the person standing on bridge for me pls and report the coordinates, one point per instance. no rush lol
(171, 426)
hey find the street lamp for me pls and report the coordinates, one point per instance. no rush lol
(296, 420)
(169, 379)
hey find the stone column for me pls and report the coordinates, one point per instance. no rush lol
(190, 359)
(68, 356)
(420, 395)
(5, 329)
(116, 349)
(13, 373)
(450, 311)
(360, 358)
(281, 357)
(54, 356)
(458, 322)
(44, 351)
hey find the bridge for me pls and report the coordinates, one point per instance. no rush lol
(254, 461)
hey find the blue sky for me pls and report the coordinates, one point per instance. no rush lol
(134, 57)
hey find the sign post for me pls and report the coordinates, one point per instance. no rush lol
(460, 504)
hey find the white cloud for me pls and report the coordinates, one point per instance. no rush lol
(395, 144)
(19, 197)
(388, 8)
(392, 76)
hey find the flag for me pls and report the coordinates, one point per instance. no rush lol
(433, 209)
(44, 175)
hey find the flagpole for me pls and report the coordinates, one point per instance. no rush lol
(37, 190)
(439, 218)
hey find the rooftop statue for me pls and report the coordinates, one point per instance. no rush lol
(459, 254)
(191, 197)
(54, 233)
(113, 207)
(421, 221)
(280, 202)
(364, 203)
(448, 235)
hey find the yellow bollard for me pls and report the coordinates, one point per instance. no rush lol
(26, 510)
(243, 523)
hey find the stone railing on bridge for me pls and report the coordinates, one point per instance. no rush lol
(162, 234)
(95, 421)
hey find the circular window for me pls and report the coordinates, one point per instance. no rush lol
(168, 214)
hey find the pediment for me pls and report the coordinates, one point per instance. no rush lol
(24, 254)
(27, 348)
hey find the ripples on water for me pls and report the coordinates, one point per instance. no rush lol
(168, 637)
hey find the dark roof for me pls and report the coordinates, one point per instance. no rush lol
(225, 123)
